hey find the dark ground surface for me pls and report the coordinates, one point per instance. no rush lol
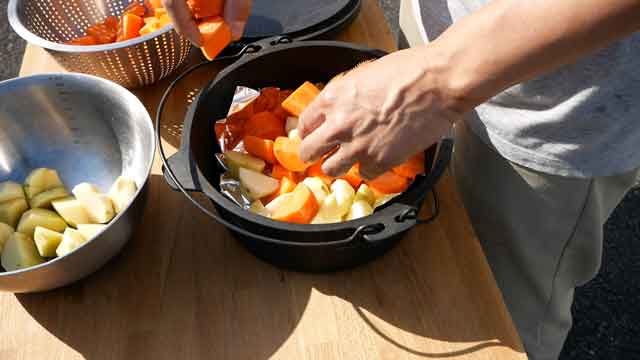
(606, 311)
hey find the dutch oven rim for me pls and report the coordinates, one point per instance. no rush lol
(184, 163)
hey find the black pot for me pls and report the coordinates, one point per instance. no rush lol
(300, 247)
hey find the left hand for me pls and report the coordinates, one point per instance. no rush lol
(379, 114)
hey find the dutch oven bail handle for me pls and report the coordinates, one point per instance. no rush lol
(370, 233)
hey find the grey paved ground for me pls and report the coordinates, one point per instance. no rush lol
(607, 310)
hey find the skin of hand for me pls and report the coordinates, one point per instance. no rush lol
(382, 113)
(236, 13)
(379, 114)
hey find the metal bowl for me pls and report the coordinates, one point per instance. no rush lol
(88, 129)
(133, 63)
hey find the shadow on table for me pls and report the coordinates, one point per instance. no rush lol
(197, 293)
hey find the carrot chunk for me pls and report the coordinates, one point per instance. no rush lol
(299, 208)
(287, 152)
(300, 99)
(353, 176)
(83, 41)
(201, 9)
(315, 170)
(278, 171)
(130, 27)
(412, 167)
(389, 183)
(216, 35)
(264, 125)
(261, 148)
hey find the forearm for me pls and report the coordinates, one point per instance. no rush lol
(511, 41)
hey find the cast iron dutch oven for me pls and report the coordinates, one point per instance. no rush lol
(314, 248)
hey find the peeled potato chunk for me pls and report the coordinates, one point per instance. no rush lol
(72, 211)
(33, 218)
(236, 160)
(257, 184)
(359, 209)
(365, 193)
(85, 189)
(277, 202)
(99, 207)
(122, 193)
(258, 208)
(41, 180)
(5, 232)
(47, 241)
(44, 199)
(71, 240)
(10, 191)
(89, 231)
(11, 211)
(318, 187)
(20, 252)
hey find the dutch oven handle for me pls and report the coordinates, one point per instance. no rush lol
(178, 176)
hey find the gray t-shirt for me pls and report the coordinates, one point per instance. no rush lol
(582, 120)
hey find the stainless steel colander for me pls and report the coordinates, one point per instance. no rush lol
(133, 63)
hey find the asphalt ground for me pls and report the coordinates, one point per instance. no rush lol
(606, 310)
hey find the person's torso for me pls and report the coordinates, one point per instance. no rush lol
(580, 120)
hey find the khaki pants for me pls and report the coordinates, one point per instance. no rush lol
(542, 235)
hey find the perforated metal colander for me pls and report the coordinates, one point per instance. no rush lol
(133, 63)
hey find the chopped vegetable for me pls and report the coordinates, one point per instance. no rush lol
(10, 191)
(264, 125)
(44, 199)
(258, 208)
(257, 184)
(215, 34)
(122, 192)
(412, 167)
(47, 241)
(359, 209)
(20, 252)
(201, 9)
(130, 27)
(353, 176)
(315, 170)
(286, 186)
(301, 207)
(261, 148)
(12, 210)
(287, 152)
(72, 211)
(278, 171)
(365, 193)
(300, 99)
(33, 218)
(5, 233)
(236, 160)
(319, 188)
(389, 183)
(71, 240)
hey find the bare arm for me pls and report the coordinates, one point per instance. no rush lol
(375, 112)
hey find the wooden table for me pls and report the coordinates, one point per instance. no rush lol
(185, 289)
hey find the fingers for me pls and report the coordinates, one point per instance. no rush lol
(339, 163)
(370, 170)
(311, 119)
(236, 14)
(318, 143)
(182, 20)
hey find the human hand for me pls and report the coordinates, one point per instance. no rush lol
(379, 114)
(236, 13)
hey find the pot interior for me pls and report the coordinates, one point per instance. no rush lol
(286, 67)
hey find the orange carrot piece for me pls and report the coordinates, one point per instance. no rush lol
(131, 25)
(300, 99)
(105, 32)
(300, 208)
(201, 9)
(353, 176)
(389, 183)
(278, 171)
(135, 8)
(287, 152)
(268, 100)
(83, 41)
(261, 148)
(264, 125)
(286, 186)
(412, 167)
(153, 4)
(315, 170)
(215, 34)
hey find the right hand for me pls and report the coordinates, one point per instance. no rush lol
(236, 13)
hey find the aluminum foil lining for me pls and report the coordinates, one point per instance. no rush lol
(229, 185)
